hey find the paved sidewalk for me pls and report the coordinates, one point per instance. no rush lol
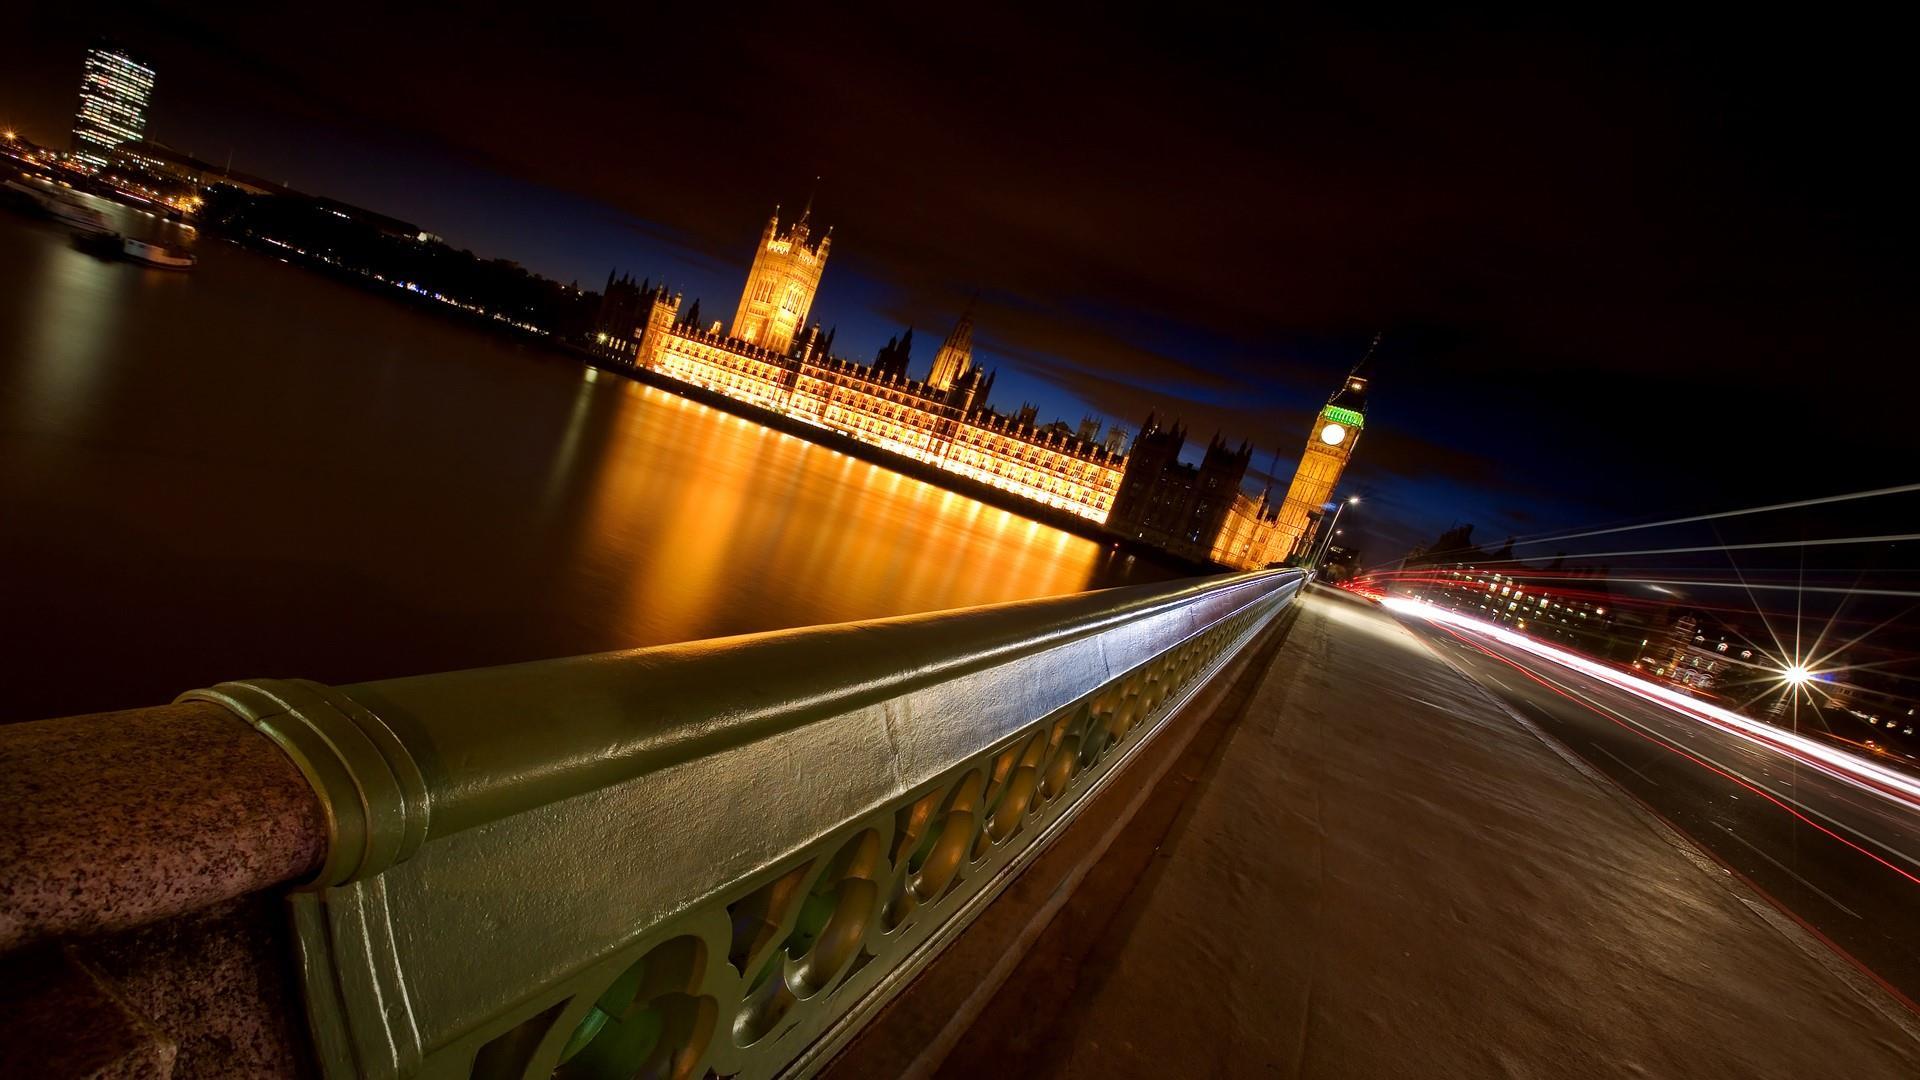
(1381, 874)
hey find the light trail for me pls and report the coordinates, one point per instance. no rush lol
(1835, 541)
(1836, 636)
(1848, 768)
(1560, 583)
(1797, 504)
(1901, 489)
(1835, 590)
(1730, 773)
(1402, 577)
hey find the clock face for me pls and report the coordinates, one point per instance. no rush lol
(1333, 434)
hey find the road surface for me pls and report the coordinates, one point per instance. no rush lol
(1377, 871)
(1844, 862)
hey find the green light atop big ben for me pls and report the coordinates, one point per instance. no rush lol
(1335, 433)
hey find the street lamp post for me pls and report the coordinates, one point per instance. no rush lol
(1326, 543)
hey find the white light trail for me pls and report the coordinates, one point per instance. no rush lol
(1892, 538)
(1901, 489)
(1850, 768)
(1798, 504)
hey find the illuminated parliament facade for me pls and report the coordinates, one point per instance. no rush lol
(772, 358)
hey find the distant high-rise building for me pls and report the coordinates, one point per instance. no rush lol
(780, 287)
(114, 89)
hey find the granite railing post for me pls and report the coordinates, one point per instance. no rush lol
(133, 849)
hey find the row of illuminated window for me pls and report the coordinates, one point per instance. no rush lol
(92, 111)
(102, 87)
(726, 371)
(103, 58)
(101, 118)
(731, 361)
(119, 63)
(1016, 446)
(997, 472)
(1048, 475)
(1514, 611)
(1082, 501)
(908, 411)
(125, 133)
(102, 107)
(120, 98)
(867, 403)
(1052, 461)
(867, 387)
(728, 383)
(1513, 589)
(96, 108)
(123, 76)
(117, 84)
(1050, 482)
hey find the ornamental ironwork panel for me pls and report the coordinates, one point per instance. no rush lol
(712, 858)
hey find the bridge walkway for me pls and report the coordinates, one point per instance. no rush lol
(1377, 872)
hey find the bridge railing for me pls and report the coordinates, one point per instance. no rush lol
(720, 856)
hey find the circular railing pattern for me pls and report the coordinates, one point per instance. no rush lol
(742, 988)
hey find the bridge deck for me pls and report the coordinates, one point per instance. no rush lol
(1380, 873)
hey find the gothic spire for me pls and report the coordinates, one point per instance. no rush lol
(1364, 368)
(1353, 390)
(807, 211)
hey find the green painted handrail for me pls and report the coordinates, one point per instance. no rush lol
(719, 855)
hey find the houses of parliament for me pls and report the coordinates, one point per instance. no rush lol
(772, 357)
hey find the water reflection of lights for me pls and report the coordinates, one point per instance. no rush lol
(723, 510)
(73, 318)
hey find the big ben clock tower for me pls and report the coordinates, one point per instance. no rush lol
(1329, 447)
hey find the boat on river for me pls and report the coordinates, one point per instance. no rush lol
(67, 207)
(100, 245)
(148, 253)
(111, 245)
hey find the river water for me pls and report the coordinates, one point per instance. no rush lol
(253, 470)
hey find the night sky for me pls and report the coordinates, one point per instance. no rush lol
(1625, 270)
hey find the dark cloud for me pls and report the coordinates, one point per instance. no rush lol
(1624, 267)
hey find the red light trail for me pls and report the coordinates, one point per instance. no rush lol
(1841, 765)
